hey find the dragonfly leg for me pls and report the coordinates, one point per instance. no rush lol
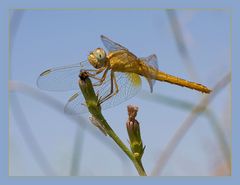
(97, 71)
(101, 80)
(93, 75)
(84, 104)
(111, 94)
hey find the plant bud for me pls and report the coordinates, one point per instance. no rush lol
(133, 128)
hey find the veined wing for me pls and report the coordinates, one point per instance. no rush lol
(62, 78)
(127, 56)
(129, 85)
(66, 77)
(151, 61)
(111, 45)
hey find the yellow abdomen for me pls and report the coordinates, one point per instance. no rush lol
(123, 61)
(181, 82)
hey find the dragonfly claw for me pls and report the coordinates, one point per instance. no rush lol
(84, 104)
(100, 99)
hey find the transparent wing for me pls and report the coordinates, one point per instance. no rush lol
(111, 45)
(129, 85)
(152, 62)
(62, 78)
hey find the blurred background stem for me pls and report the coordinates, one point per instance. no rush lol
(30, 139)
(77, 151)
(182, 130)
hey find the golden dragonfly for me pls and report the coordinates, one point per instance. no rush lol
(116, 76)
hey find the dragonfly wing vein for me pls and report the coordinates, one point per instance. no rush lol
(129, 85)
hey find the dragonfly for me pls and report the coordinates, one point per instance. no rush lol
(116, 76)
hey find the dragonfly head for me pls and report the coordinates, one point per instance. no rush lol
(97, 58)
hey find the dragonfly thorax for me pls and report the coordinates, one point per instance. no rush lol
(97, 58)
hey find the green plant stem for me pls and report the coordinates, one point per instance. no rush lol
(94, 108)
(136, 163)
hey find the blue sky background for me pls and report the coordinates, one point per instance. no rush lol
(46, 39)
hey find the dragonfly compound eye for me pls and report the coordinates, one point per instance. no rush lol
(100, 54)
(97, 58)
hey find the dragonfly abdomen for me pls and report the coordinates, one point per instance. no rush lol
(181, 82)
